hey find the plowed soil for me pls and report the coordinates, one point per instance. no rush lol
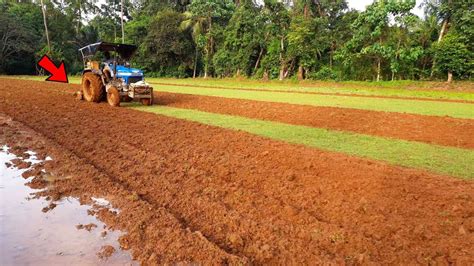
(430, 129)
(194, 193)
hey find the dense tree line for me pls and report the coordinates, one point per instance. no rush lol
(267, 39)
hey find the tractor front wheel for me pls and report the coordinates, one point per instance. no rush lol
(147, 101)
(92, 87)
(113, 97)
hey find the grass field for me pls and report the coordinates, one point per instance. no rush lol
(458, 110)
(387, 88)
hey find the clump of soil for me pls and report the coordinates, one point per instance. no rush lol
(106, 251)
(49, 207)
(20, 163)
(34, 171)
(87, 227)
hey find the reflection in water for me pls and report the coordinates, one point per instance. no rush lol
(30, 236)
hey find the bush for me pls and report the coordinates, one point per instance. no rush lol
(452, 54)
(325, 73)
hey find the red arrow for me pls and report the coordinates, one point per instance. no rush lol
(58, 74)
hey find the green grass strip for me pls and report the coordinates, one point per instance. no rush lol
(439, 159)
(386, 88)
(452, 109)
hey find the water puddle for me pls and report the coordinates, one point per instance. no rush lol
(30, 236)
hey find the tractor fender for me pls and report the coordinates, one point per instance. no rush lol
(97, 72)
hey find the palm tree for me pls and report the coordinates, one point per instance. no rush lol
(43, 9)
(121, 21)
(77, 8)
(196, 25)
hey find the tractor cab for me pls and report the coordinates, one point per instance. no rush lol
(109, 63)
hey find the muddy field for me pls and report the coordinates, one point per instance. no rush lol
(188, 192)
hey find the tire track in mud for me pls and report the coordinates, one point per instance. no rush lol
(429, 129)
(230, 185)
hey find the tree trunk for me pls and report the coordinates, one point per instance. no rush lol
(300, 72)
(43, 9)
(209, 49)
(79, 16)
(282, 72)
(442, 32)
(115, 24)
(306, 11)
(288, 69)
(258, 59)
(265, 75)
(195, 63)
(282, 63)
(331, 53)
(378, 68)
(450, 76)
(121, 21)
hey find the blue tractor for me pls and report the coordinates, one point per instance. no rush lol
(111, 78)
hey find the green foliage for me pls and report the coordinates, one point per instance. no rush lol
(202, 15)
(19, 38)
(325, 73)
(243, 40)
(372, 32)
(166, 49)
(452, 55)
(261, 39)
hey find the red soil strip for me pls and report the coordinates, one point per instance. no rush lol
(312, 92)
(240, 197)
(430, 129)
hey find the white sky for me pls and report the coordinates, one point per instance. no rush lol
(361, 4)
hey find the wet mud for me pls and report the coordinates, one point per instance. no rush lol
(35, 230)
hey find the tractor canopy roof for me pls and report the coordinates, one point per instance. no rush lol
(125, 51)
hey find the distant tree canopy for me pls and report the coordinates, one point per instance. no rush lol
(268, 39)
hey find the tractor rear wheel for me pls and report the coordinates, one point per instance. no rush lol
(92, 87)
(113, 97)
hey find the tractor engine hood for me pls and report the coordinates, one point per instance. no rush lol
(127, 71)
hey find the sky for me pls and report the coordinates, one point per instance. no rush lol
(361, 4)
